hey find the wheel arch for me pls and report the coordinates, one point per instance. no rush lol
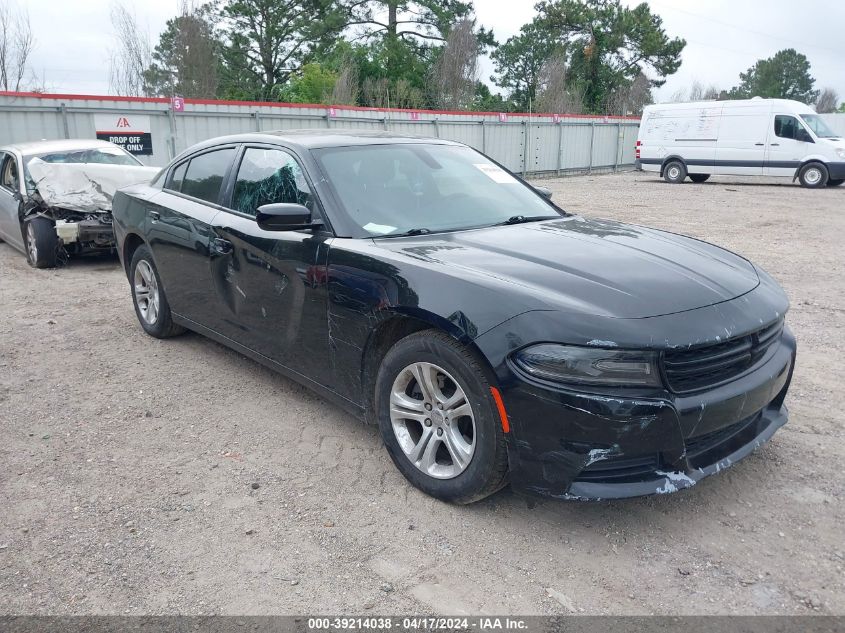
(671, 158)
(131, 243)
(808, 161)
(394, 327)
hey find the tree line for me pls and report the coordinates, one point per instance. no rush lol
(595, 56)
(785, 75)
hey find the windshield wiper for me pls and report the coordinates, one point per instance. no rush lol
(522, 219)
(420, 231)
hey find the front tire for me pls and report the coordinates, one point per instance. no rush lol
(41, 242)
(438, 420)
(813, 176)
(151, 306)
(699, 178)
(674, 172)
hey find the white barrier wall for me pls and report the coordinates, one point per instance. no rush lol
(525, 143)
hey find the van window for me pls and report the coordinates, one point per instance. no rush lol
(788, 127)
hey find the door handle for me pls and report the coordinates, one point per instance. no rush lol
(155, 216)
(775, 144)
(220, 246)
(759, 144)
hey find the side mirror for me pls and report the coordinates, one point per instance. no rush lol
(544, 191)
(804, 136)
(285, 216)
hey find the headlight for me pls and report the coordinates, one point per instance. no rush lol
(840, 152)
(589, 366)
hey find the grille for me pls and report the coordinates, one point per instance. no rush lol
(706, 366)
(621, 469)
(711, 447)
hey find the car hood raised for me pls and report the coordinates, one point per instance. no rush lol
(590, 266)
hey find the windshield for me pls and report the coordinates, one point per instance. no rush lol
(818, 126)
(392, 189)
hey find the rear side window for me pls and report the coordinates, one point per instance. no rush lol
(176, 178)
(786, 126)
(268, 176)
(205, 174)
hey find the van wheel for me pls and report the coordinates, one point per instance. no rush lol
(835, 183)
(42, 243)
(674, 172)
(699, 177)
(813, 176)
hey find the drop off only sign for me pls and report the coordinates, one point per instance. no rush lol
(129, 131)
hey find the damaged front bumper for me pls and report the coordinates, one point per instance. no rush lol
(572, 445)
(95, 233)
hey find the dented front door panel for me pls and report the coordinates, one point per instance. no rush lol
(270, 293)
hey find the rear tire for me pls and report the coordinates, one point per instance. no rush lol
(148, 296)
(674, 172)
(443, 432)
(41, 242)
(699, 178)
(830, 183)
(813, 176)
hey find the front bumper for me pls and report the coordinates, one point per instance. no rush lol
(91, 234)
(572, 445)
(836, 171)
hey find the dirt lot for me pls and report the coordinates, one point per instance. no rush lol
(129, 465)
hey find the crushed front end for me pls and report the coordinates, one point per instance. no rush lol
(721, 377)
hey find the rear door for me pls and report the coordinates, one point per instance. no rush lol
(10, 190)
(270, 286)
(179, 229)
(789, 142)
(743, 130)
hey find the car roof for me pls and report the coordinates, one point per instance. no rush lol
(62, 145)
(319, 138)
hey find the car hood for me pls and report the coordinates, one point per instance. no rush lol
(595, 267)
(84, 187)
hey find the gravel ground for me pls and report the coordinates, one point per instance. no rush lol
(145, 476)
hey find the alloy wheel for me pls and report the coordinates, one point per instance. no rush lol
(146, 292)
(433, 420)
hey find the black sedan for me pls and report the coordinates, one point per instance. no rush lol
(493, 337)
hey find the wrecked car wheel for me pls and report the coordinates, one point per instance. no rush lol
(438, 419)
(151, 305)
(42, 244)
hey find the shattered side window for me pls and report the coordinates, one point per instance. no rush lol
(268, 176)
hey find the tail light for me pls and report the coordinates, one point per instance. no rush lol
(637, 147)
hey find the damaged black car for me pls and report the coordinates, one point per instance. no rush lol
(492, 337)
(55, 196)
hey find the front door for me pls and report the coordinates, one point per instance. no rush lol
(789, 142)
(179, 229)
(271, 295)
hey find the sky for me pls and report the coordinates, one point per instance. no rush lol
(724, 37)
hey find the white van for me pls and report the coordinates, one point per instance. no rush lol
(753, 137)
